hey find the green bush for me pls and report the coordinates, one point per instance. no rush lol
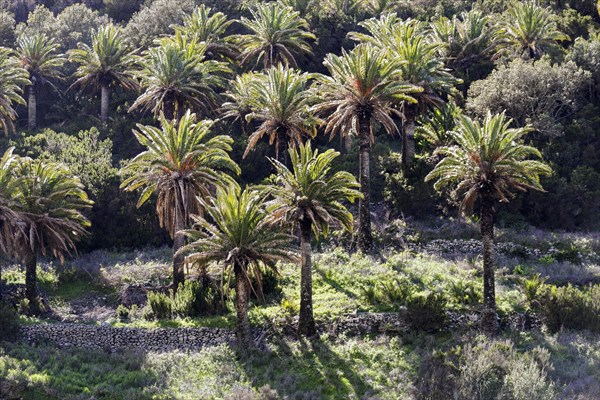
(182, 304)
(122, 313)
(572, 308)
(160, 305)
(9, 321)
(427, 312)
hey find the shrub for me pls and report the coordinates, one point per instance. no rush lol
(570, 307)
(9, 321)
(122, 313)
(182, 304)
(427, 312)
(465, 292)
(160, 306)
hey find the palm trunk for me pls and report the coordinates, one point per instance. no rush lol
(489, 321)
(408, 138)
(31, 282)
(282, 149)
(241, 307)
(364, 237)
(306, 323)
(104, 99)
(31, 108)
(178, 259)
(169, 108)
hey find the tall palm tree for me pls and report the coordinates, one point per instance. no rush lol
(531, 29)
(51, 200)
(107, 63)
(181, 165)
(310, 196)
(422, 66)
(210, 28)
(12, 79)
(487, 164)
(280, 100)
(277, 35)
(365, 86)
(39, 55)
(236, 233)
(176, 76)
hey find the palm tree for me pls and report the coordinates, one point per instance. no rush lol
(278, 35)
(488, 164)
(280, 100)
(238, 94)
(181, 165)
(107, 63)
(365, 85)
(309, 197)
(51, 200)
(209, 28)
(12, 78)
(380, 7)
(236, 233)
(39, 55)
(421, 66)
(531, 29)
(176, 76)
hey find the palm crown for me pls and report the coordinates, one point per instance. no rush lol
(278, 35)
(488, 160)
(39, 55)
(9, 197)
(12, 78)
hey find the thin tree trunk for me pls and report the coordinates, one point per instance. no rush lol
(31, 108)
(104, 100)
(306, 323)
(364, 236)
(241, 307)
(169, 108)
(282, 149)
(31, 282)
(178, 259)
(489, 320)
(408, 138)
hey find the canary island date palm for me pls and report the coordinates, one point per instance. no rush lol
(108, 63)
(309, 196)
(236, 233)
(364, 85)
(210, 28)
(39, 55)
(488, 163)
(531, 29)
(176, 76)
(238, 98)
(280, 100)
(277, 35)
(13, 78)
(51, 200)
(181, 164)
(421, 66)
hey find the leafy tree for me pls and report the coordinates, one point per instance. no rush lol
(7, 29)
(12, 78)
(420, 65)
(310, 196)
(488, 164)
(280, 100)
(78, 23)
(278, 35)
(209, 27)
(364, 85)
(107, 63)
(52, 200)
(236, 233)
(39, 56)
(121, 10)
(530, 29)
(176, 76)
(182, 165)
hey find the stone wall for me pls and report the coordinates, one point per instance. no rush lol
(112, 339)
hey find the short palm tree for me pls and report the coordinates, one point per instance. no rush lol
(421, 66)
(39, 55)
(107, 63)
(12, 79)
(51, 200)
(487, 164)
(236, 233)
(181, 165)
(309, 197)
(176, 76)
(238, 98)
(531, 29)
(365, 86)
(280, 100)
(10, 219)
(210, 28)
(277, 35)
